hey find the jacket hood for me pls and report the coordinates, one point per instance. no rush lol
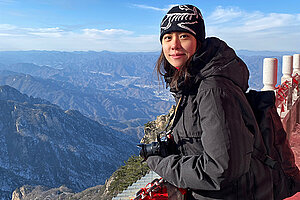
(216, 58)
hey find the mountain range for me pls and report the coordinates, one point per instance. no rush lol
(116, 89)
(42, 144)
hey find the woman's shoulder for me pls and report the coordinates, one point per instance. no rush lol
(218, 84)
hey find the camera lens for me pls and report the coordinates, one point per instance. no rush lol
(152, 149)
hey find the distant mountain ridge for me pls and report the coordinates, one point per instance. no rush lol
(265, 53)
(11, 94)
(116, 89)
(41, 144)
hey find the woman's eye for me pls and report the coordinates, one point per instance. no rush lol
(167, 37)
(184, 36)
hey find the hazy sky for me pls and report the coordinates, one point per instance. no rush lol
(133, 25)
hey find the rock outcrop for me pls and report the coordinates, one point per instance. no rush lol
(153, 128)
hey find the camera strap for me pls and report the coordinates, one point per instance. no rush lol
(174, 118)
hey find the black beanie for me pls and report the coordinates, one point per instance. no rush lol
(183, 18)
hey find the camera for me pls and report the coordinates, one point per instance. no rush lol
(163, 147)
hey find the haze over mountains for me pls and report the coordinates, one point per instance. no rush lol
(61, 124)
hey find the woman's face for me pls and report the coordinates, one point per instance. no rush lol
(178, 47)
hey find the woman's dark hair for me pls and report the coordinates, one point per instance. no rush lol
(165, 70)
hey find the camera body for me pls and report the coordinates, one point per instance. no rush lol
(163, 147)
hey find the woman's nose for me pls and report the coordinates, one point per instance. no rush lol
(175, 43)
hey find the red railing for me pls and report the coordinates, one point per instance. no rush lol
(284, 92)
(154, 190)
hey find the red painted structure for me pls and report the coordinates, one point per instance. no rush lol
(295, 145)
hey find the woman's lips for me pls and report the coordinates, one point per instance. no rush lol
(177, 55)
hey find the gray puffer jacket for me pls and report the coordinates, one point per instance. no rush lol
(216, 132)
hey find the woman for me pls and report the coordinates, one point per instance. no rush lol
(216, 130)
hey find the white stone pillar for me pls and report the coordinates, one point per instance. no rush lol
(287, 68)
(296, 70)
(296, 64)
(269, 73)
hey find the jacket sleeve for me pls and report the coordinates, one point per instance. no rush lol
(226, 141)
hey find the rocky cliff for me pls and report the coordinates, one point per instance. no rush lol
(154, 128)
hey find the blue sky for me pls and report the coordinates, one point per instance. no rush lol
(133, 25)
